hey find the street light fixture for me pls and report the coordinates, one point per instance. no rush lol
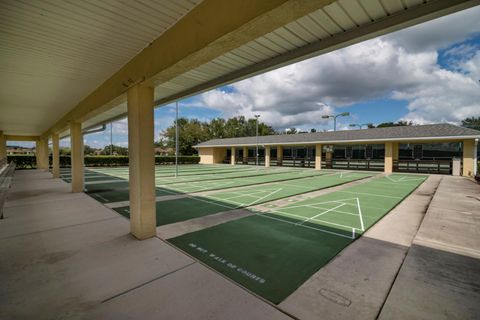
(343, 114)
(360, 125)
(256, 139)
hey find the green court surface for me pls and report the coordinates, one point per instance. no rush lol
(189, 187)
(169, 171)
(107, 186)
(163, 180)
(264, 193)
(117, 195)
(172, 211)
(186, 208)
(272, 253)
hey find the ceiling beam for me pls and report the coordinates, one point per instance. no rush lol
(424, 12)
(209, 30)
(21, 138)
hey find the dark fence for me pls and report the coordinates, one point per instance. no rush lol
(355, 164)
(423, 166)
(303, 162)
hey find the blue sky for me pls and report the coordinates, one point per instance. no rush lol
(427, 74)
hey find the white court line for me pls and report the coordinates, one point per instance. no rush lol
(402, 179)
(360, 213)
(239, 196)
(304, 226)
(322, 213)
(103, 181)
(99, 196)
(323, 202)
(268, 195)
(371, 194)
(319, 220)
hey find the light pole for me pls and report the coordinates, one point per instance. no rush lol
(176, 139)
(360, 125)
(111, 138)
(256, 139)
(343, 114)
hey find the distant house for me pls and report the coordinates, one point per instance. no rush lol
(159, 151)
(17, 150)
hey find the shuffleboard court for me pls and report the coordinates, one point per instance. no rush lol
(184, 209)
(190, 187)
(265, 193)
(116, 195)
(272, 253)
(162, 180)
(160, 171)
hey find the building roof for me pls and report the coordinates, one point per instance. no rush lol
(424, 132)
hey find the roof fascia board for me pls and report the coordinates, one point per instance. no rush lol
(446, 138)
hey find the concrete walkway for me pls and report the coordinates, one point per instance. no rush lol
(66, 256)
(440, 278)
(356, 283)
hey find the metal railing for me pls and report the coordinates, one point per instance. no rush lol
(304, 162)
(423, 166)
(355, 164)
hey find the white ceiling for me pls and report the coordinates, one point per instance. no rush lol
(53, 53)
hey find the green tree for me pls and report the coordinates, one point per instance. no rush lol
(117, 150)
(87, 150)
(471, 122)
(394, 124)
(193, 131)
(64, 151)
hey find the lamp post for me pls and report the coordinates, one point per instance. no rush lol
(256, 139)
(111, 138)
(176, 139)
(343, 114)
(360, 125)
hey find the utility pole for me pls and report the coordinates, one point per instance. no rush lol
(256, 139)
(176, 139)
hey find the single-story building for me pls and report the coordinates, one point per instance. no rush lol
(436, 148)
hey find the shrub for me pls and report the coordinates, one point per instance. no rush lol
(28, 161)
(23, 161)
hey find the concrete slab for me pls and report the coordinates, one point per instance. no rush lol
(440, 278)
(199, 294)
(435, 284)
(66, 256)
(355, 284)
(51, 213)
(55, 284)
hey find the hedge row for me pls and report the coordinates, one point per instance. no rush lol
(28, 161)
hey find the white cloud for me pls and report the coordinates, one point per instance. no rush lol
(401, 66)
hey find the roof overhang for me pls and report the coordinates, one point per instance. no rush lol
(327, 142)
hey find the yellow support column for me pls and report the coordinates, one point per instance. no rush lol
(141, 156)
(3, 146)
(76, 142)
(42, 154)
(55, 156)
(267, 156)
(388, 157)
(232, 156)
(245, 155)
(468, 157)
(37, 153)
(318, 157)
(279, 155)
